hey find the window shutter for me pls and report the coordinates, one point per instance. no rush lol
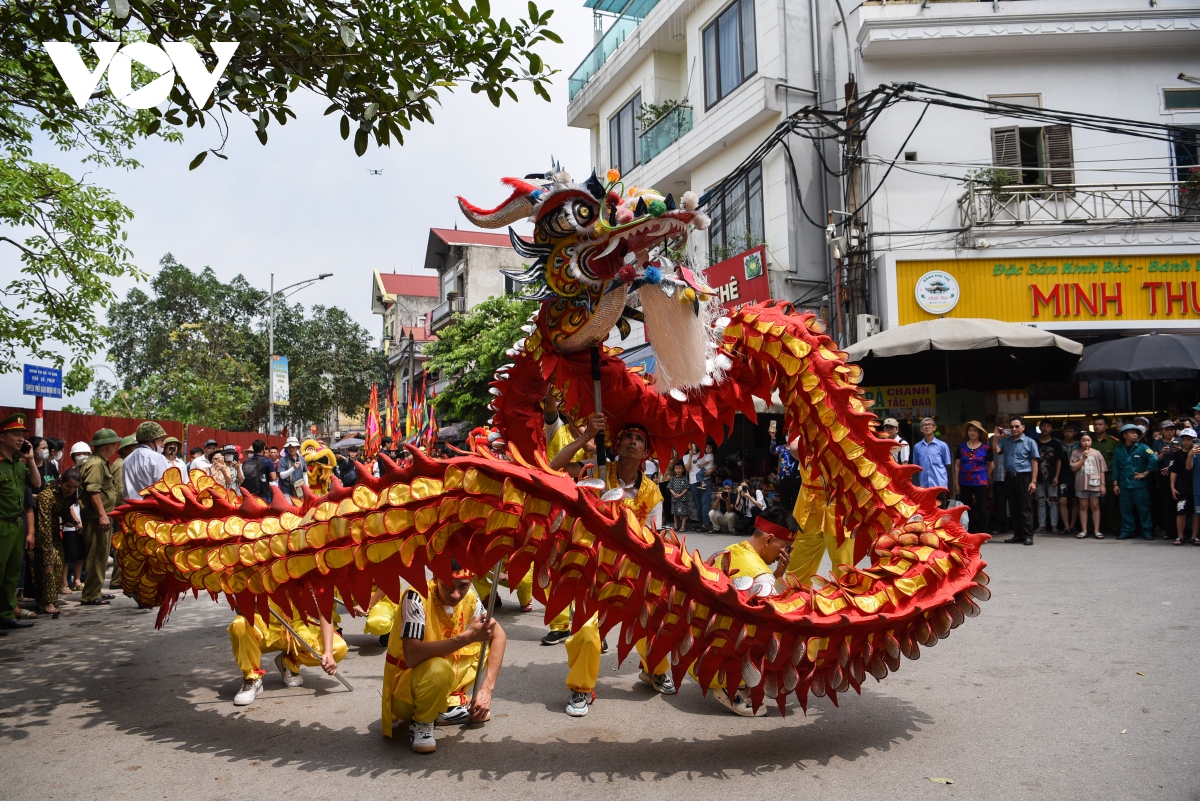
(1060, 155)
(1006, 149)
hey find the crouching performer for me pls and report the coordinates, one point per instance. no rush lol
(748, 564)
(251, 641)
(433, 655)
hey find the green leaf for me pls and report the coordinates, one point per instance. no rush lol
(344, 126)
(533, 11)
(120, 8)
(552, 36)
(196, 162)
(360, 142)
(485, 8)
(535, 62)
(347, 34)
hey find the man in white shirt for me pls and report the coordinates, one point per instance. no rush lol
(146, 464)
(900, 448)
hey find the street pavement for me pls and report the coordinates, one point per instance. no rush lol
(1078, 681)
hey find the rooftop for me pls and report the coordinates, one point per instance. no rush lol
(453, 236)
(423, 286)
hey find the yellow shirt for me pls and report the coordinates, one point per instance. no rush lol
(746, 568)
(646, 501)
(561, 439)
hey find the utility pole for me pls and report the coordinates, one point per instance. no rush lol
(853, 276)
(271, 341)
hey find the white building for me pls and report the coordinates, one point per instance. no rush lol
(1084, 198)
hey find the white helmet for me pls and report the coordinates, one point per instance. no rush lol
(292, 442)
(80, 447)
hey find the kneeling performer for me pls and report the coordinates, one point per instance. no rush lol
(431, 664)
(250, 641)
(748, 564)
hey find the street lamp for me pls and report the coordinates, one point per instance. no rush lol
(271, 340)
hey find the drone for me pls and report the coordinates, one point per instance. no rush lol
(375, 172)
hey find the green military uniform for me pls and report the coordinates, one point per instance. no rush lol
(98, 480)
(118, 471)
(14, 475)
(1128, 461)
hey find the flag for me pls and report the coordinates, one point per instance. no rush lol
(373, 435)
(432, 429)
(393, 413)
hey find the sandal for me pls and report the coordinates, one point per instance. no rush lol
(25, 614)
(1178, 541)
(1099, 536)
(1081, 535)
(97, 602)
(52, 611)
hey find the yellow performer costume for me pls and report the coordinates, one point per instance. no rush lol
(250, 642)
(320, 461)
(583, 647)
(818, 533)
(563, 437)
(483, 584)
(740, 561)
(380, 617)
(422, 693)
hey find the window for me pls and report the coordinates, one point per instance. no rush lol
(737, 216)
(1181, 99)
(1035, 155)
(730, 56)
(1185, 151)
(624, 136)
(1031, 100)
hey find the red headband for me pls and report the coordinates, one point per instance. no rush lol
(625, 429)
(462, 573)
(767, 527)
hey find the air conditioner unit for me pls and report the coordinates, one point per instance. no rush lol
(868, 325)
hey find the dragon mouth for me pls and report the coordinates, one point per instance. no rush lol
(601, 260)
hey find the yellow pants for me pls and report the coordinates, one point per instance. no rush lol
(562, 621)
(583, 656)
(380, 617)
(663, 667)
(817, 536)
(251, 642)
(433, 688)
(483, 586)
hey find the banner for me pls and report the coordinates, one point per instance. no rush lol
(903, 401)
(1101, 291)
(279, 380)
(741, 280)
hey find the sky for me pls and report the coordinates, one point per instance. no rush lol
(305, 204)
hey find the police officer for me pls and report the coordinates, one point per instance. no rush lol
(17, 469)
(99, 495)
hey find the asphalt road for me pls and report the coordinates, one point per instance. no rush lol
(1078, 681)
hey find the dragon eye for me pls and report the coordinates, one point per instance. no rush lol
(583, 212)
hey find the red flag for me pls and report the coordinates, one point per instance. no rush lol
(373, 436)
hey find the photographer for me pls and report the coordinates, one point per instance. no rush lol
(723, 514)
(750, 503)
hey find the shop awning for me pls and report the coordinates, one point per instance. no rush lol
(965, 353)
(1147, 357)
(958, 333)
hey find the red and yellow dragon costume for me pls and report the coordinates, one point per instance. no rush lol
(595, 246)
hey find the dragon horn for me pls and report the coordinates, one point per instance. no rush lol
(517, 207)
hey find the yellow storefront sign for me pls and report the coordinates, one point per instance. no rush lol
(1108, 289)
(902, 401)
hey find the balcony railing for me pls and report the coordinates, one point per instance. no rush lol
(665, 130)
(1067, 204)
(631, 15)
(442, 313)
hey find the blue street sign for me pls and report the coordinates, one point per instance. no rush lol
(43, 381)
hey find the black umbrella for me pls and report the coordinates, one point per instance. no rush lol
(1141, 358)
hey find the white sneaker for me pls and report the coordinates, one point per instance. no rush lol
(251, 689)
(290, 679)
(454, 716)
(737, 705)
(662, 683)
(420, 737)
(577, 705)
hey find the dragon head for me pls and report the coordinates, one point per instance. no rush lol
(595, 243)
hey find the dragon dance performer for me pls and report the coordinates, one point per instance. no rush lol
(817, 521)
(249, 642)
(643, 497)
(748, 565)
(433, 662)
(380, 614)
